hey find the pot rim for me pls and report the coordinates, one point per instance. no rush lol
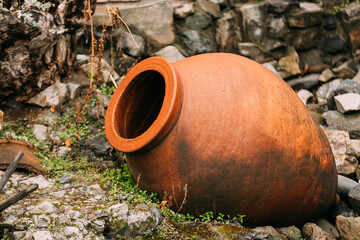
(167, 116)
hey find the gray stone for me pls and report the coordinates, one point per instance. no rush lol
(277, 27)
(63, 151)
(208, 7)
(228, 32)
(346, 165)
(140, 222)
(326, 226)
(348, 227)
(345, 184)
(119, 211)
(271, 67)
(332, 44)
(42, 235)
(347, 86)
(251, 51)
(58, 194)
(43, 207)
(71, 232)
(269, 230)
(357, 77)
(312, 231)
(348, 122)
(282, 6)
(254, 20)
(324, 91)
(171, 53)
(199, 20)
(309, 14)
(134, 49)
(339, 141)
(326, 75)
(153, 20)
(309, 81)
(347, 102)
(198, 42)
(53, 95)
(40, 180)
(74, 90)
(99, 145)
(312, 59)
(39, 132)
(291, 232)
(98, 225)
(346, 70)
(303, 39)
(289, 65)
(183, 10)
(354, 198)
(66, 178)
(355, 147)
(305, 96)
(42, 221)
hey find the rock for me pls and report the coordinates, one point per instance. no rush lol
(312, 231)
(14, 104)
(66, 178)
(292, 232)
(208, 7)
(326, 226)
(103, 98)
(305, 96)
(39, 132)
(128, 45)
(347, 86)
(251, 51)
(309, 14)
(348, 122)
(342, 209)
(40, 180)
(355, 147)
(171, 53)
(312, 59)
(349, 17)
(198, 42)
(332, 44)
(323, 92)
(58, 194)
(63, 151)
(346, 70)
(253, 14)
(228, 32)
(269, 230)
(271, 67)
(52, 96)
(303, 39)
(339, 141)
(153, 20)
(346, 165)
(281, 6)
(71, 232)
(289, 65)
(277, 26)
(326, 75)
(42, 235)
(309, 81)
(329, 22)
(183, 10)
(74, 90)
(347, 102)
(43, 207)
(199, 20)
(99, 145)
(119, 211)
(42, 221)
(105, 68)
(357, 77)
(255, 235)
(354, 198)
(348, 227)
(140, 222)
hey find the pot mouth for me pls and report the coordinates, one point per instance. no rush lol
(144, 106)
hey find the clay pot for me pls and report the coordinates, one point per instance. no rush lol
(231, 131)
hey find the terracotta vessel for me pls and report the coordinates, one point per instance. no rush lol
(231, 131)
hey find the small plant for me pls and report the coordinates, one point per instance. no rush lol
(345, 3)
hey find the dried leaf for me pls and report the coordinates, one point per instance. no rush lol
(77, 135)
(163, 204)
(52, 109)
(1, 120)
(68, 142)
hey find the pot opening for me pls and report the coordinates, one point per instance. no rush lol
(140, 104)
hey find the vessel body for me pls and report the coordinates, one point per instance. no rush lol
(236, 139)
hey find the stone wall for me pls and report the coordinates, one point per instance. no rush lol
(295, 37)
